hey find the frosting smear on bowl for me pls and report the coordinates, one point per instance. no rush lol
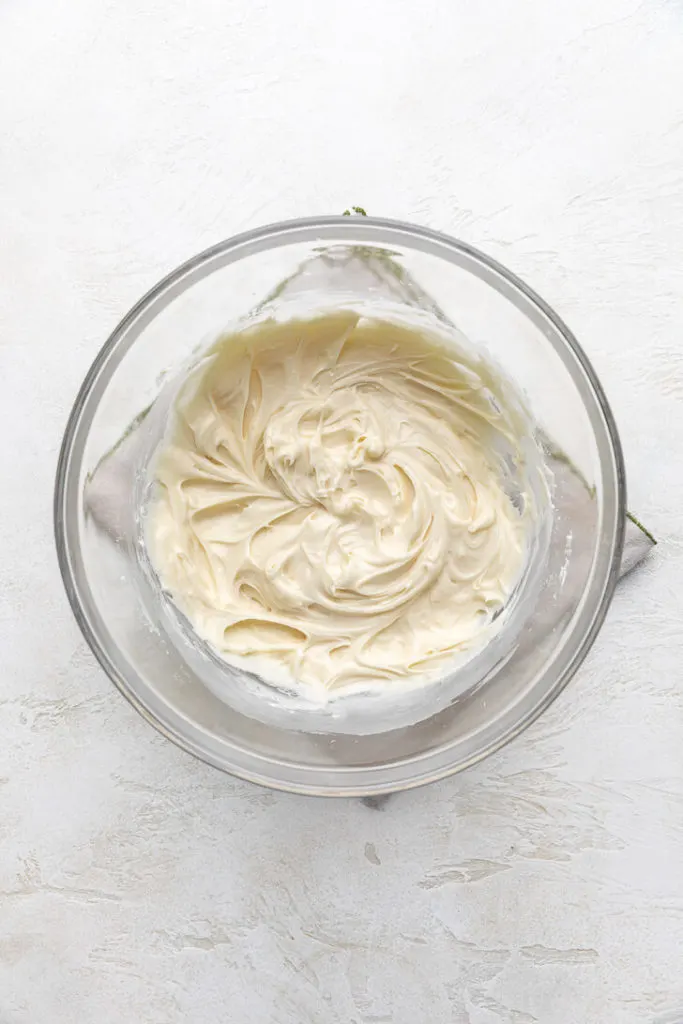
(334, 505)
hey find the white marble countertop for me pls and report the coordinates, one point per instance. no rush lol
(137, 884)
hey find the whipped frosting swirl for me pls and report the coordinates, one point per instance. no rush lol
(332, 502)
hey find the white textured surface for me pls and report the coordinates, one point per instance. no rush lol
(546, 885)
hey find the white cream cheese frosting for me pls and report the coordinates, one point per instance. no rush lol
(332, 505)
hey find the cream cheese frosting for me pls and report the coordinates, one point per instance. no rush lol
(332, 503)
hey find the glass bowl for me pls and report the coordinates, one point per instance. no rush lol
(298, 268)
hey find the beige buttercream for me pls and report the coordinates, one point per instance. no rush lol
(331, 501)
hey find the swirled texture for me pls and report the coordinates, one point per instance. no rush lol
(332, 502)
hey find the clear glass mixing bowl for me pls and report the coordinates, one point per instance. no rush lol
(298, 268)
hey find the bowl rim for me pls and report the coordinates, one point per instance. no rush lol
(344, 781)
